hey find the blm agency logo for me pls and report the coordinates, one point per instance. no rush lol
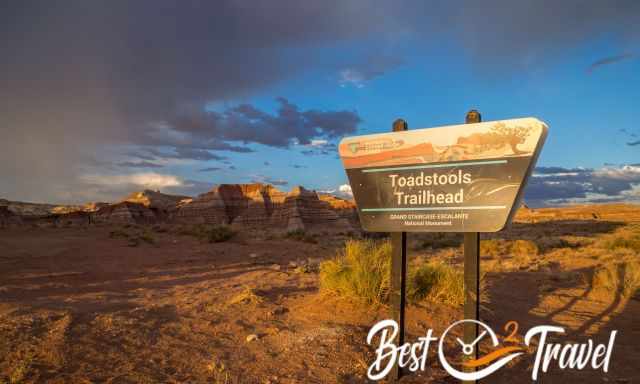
(458, 364)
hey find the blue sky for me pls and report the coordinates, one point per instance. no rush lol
(103, 101)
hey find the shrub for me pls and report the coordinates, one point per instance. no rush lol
(300, 235)
(119, 233)
(219, 234)
(362, 271)
(207, 232)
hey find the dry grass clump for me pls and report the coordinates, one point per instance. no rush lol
(438, 282)
(623, 278)
(135, 237)
(629, 241)
(21, 368)
(208, 232)
(362, 272)
(247, 296)
(518, 249)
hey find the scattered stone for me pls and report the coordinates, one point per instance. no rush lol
(279, 311)
(252, 337)
(276, 267)
(253, 255)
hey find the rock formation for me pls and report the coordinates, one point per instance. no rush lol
(156, 200)
(263, 206)
(258, 206)
(124, 212)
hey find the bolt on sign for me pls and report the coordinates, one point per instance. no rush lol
(459, 178)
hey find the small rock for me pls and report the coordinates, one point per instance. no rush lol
(252, 337)
(253, 255)
(276, 267)
(278, 311)
(293, 264)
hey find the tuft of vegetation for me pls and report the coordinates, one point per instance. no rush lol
(623, 278)
(247, 296)
(119, 234)
(362, 272)
(133, 238)
(19, 372)
(208, 232)
(629, 241)
(436, 282)
(301, 235)
(520, 250)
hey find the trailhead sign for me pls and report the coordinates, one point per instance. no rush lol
(459, 178)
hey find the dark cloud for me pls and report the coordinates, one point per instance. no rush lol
(266, 163)
(557, 185)
(298, 166)
(139, 164)
(179, 153)
(609, 60)
(633, 143)
(209, 169)
(248, 124)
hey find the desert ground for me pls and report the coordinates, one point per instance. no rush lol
(150, 304)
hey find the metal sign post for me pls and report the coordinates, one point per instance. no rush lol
(398, 274)
(472, 274)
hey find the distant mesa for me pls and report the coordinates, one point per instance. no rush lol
(256, 206)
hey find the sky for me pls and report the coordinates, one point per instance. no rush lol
(100, 99)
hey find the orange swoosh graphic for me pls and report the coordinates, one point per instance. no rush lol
(491, 357)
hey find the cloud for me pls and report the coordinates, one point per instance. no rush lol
(247, 124)
(358, 75)
(298, 166)
(633, 143)
(345, 189)
(266, 163)
(139, 164)
(209, 169)
(146, 180)
(269, 180)
(609, 60)
(557, 185)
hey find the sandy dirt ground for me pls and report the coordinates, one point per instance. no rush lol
(78, 306)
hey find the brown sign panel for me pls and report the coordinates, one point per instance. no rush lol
(461, 178)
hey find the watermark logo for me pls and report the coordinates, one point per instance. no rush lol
(460, 365)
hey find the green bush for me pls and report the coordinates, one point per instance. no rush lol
(219, 234)
(301, 235)
(207, 232)
(362, 271)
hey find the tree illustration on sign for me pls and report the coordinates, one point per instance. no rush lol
(510, 135)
